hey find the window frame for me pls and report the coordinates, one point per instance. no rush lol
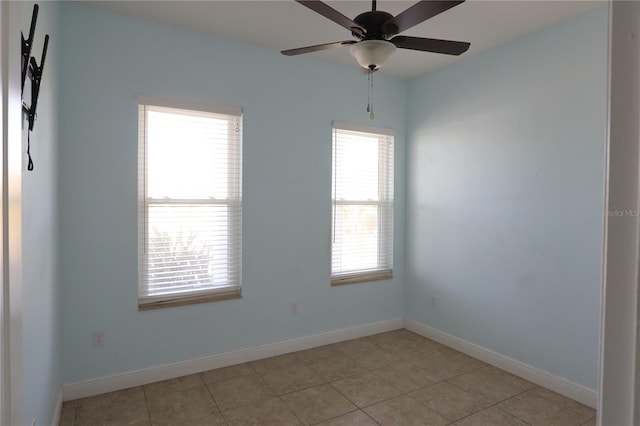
(385, 203)
(233, 201)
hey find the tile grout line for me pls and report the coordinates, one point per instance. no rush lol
(493, 405)
(213, 398)
(146, 404)
(289, 408)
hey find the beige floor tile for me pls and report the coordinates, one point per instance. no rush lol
(240, 391)
(421, 358)
(399, 348)
(426, 360)
(316, 404)
(404, 411)
(441, 366)
(275, 362)
(422, 351)
(405, 334)
(92, 418)
(591, 422)
(374, 357)
(545, 408)
(392, 337)
(272, 412)
(290, 379)
(227, 373)
(349, 346)
(111, 399)
(486, 385)
(355, 418)
(562, 400)
(429, 345)
(337, 367)
(180, 406)
(528, 406)
(67, 421)
(490, 417)
(562, 418)
(460, 363)
(309, 356)
(173, 385)
(508, 377)
(130, 414)
(365, 389)
(449, 401)
(69, 408)
(465, 362)
(215, 419)
(405, 376)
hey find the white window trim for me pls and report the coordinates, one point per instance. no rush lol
(377, 273)
(191, 105)
(146, 302)
(362, 128)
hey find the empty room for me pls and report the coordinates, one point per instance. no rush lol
(332, 213)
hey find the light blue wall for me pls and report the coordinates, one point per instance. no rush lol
(504, 198)
(505, 201)
(41, 338)
(289, 104)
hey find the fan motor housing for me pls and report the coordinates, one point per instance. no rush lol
(373, 22)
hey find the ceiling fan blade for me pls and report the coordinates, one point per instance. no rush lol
(418, 13)
(448, 47)
(333, 15)
(316, 48)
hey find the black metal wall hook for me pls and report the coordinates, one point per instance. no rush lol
(31, 69)
(28, 44)
(35, 75)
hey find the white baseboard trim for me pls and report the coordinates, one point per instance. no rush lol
(563, 386)
(129, 379)
(57, 412)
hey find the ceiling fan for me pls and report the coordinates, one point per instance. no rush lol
(376, 32)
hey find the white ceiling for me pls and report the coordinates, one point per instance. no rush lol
(283, 24)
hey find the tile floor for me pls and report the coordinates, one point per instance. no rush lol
(394, 378)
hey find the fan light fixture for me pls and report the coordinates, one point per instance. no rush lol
(372, 54)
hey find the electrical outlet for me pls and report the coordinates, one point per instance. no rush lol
(434, 301)
(98, 338)
(293, 308)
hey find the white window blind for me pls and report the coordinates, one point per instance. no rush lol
(362, 204)
(190, 208)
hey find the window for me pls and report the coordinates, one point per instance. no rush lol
(189, 220)
(362, 207)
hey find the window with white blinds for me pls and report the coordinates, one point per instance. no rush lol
(190, 203)
(362, 204)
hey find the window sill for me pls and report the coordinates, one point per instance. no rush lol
(354, 279)
(170, 301)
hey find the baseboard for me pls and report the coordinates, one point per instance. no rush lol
(558, 384)
(57, 412)
(168, 371)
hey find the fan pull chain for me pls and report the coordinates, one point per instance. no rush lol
(370, 105)
(368, 91)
